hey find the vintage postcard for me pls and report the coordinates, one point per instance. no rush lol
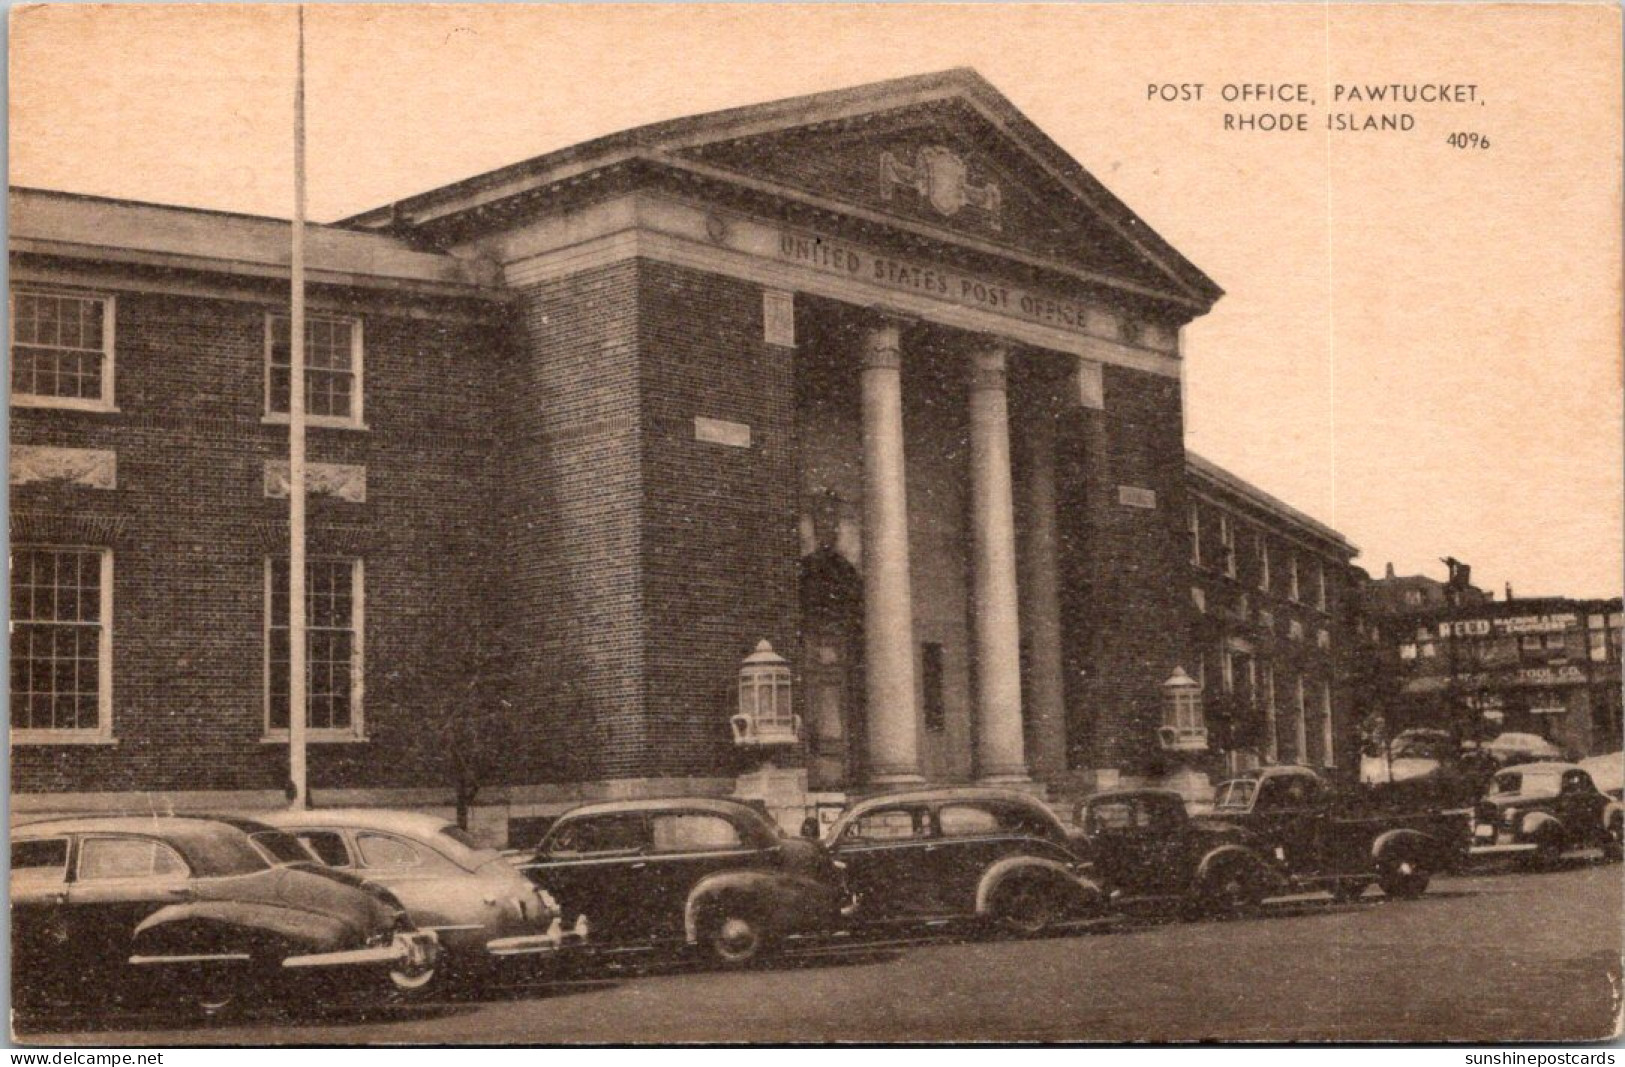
(815, 523)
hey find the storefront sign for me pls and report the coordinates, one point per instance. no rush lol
(1510, 626)
(945, 283)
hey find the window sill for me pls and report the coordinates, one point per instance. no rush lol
(316, 737)
(61, 737)
(317, 421)
(63, 403)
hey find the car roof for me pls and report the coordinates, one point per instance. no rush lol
(714, 805)
(410, 823)
(944, 794)
(212, 845)
(1130, 791)
(196, 826)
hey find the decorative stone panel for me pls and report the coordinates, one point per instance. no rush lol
(92, 468)
(339, 480)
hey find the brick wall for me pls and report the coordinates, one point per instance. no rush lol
(190, 529)
(718, 523)
(1124, 569)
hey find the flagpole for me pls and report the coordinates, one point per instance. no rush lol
(298, 793)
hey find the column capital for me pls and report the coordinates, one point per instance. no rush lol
(990, 363)
(882, 344)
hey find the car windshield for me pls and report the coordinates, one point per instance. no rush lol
(280, 849)
(1235, 794)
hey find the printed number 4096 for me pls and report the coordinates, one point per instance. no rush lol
(1467, 140)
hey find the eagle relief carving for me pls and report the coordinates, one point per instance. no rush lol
(942, 179)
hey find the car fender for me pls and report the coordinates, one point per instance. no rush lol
(1612, 814)
(1014, 866)
(301, 930)
(1391, 842)
(1536, 824)
(791, 902)
(1227, 852)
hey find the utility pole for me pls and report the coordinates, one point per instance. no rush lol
(298, 791)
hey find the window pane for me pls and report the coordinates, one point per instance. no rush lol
(330, 648)
(49, 854)
(328, 846)
(892, 824)
(379, 851)
(57, 345)
(330, 367)
(962, 821)
(693, 833)
(116, 857)
(56, 638)
(617, 833)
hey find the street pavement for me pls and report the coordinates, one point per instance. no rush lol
(1487, 958)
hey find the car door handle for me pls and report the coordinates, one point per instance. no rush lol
(638, 866)
(177, 893)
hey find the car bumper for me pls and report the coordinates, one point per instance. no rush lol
(1494, 841)
(556, 940)
(416, 949)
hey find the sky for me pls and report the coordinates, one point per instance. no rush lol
(1419, 343)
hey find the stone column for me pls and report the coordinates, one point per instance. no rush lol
(888, 608)
(997, 625)
(1041, 597)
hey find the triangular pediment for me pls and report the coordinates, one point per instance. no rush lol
(943, 165)
(944, 155)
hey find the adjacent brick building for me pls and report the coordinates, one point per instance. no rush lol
(879, 377)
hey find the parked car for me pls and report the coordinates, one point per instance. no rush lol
(1543, 810)
(469, 896)
(1145, 848)
(209, 909)
(713, 874)
(1341, 841)
(993, 855)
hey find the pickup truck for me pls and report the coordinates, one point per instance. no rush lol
(1343, 840)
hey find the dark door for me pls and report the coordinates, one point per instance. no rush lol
(43, 956)
(884, 852)
(117, 882)
(1289, 814)
(685, 847)
(598, 866)
(971, 838)
(1134, 850)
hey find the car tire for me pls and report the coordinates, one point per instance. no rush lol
(1548, 851)
(735, 936)
(1231, 887)
(1404, 876)
(1028, 907)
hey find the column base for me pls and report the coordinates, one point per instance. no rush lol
(889, 781)
(1004, 778)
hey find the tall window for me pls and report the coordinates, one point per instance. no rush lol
(931, 686)
(1327, 756)
(1263, 562)
(1193, 522)
(1320, 585)
(1227, 545)
(62, 350)
(1272, 746)
(1294, 591)
(332, 369)
(1300, 740)
(333, 614)
(61, 644)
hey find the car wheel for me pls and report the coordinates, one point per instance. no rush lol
(1404, 877)
(1028, 907)
(410, 979)
(1548, 850)
(735, 936)
(1230, 888)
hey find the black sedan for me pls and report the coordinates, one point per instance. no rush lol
(993, 855)
(210, 910)
(713, 874)
(1146, 849)
(1543, 810)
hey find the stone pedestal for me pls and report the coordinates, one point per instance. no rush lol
(783, 790)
